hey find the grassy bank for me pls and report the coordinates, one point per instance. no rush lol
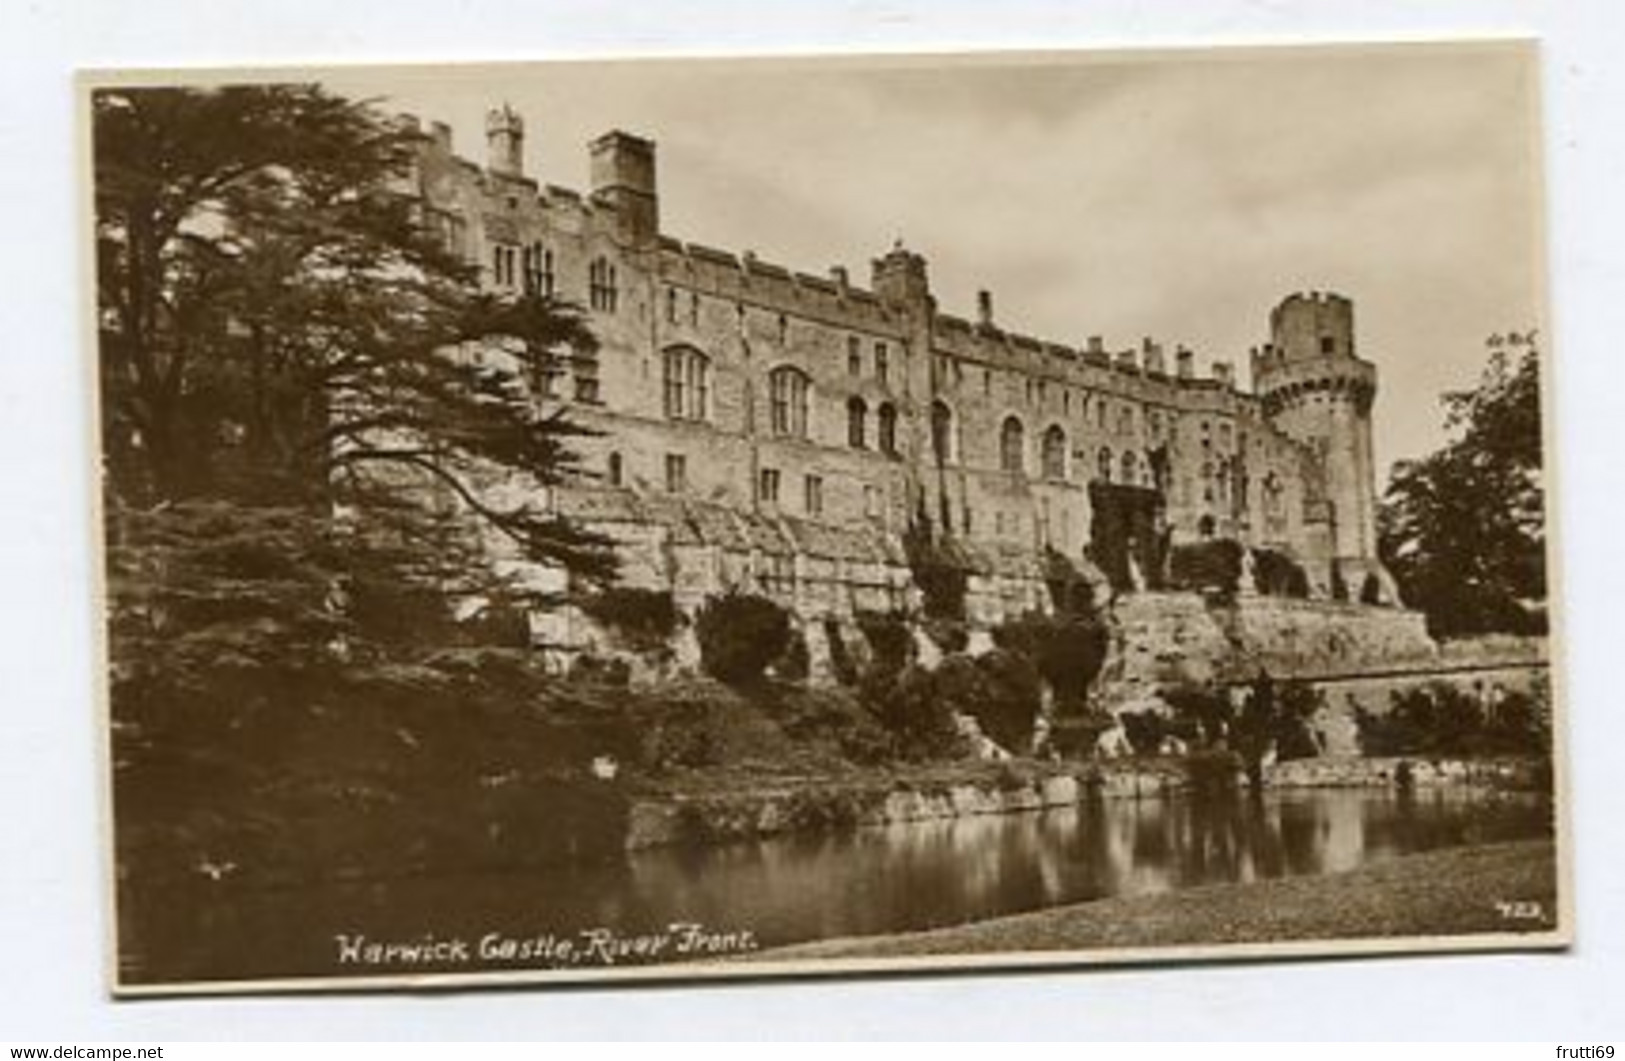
(1450, 892)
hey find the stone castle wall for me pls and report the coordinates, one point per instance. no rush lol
(824, 416)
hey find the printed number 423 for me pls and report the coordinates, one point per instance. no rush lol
(1519, 910)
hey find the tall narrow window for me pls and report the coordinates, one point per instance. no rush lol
(503, 261)
(1055, 453)
(1103, 465)
(788, 393)
(685, 379)
(814, 495)
(1012, 446)
(1131, 468)
(882, 362)
(942, 431)
(538, 262)
(887, 428)
(676, 473)
(857, 419)
(767, 486)
(671, 305)
(854, 357)
(615, 472)
(602, 294)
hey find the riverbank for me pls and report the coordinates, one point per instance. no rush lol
(1459, 891)
(732, 805)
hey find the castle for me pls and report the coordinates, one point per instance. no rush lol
(779, 430)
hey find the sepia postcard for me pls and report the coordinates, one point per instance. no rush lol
(587, 521)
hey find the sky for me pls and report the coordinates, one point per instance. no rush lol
(1177, 195)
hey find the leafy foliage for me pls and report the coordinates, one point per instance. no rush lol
(280, 323)
(1126, 532)
(740, 634)
(1272, 716)
(645, 617)
(1210, 565)
(911, 708)
(1441, 719)
(1275, 574)
(939, 571)
(1068, 651)
(1463, 529)
(891, 644)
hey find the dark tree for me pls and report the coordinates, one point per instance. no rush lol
(281, 321)
(1463, 529)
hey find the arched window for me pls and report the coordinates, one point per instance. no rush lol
(942, 431)
(686, 380)
(1013, 446)
(1204, 526)
(1054, 451)
(857, 423)
(1131, 468)
(788, 394)
(887, 427)
(1103, 465)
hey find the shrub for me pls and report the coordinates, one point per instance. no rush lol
(909, 707)
(1442, 720)
(1067, 650)
(834, 718)
(1076, 735)
(1125, 523)
(601, 670)
(1005, 701)
(1214, 565)
(1275, 574)
(1070, 590)
(949, 635)
(1275, 715)
(938, 570)
(740, 634)
(1144, 730)
(840, 657)
(795, 662)
(1204, 709)
(646, 618)
(891, 643)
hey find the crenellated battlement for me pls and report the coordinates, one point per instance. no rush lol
(766, 389)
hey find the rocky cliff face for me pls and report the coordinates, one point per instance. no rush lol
(1178, 638)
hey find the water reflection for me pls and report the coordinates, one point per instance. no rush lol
(898, 878)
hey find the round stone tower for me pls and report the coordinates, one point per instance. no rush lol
(1315, 389)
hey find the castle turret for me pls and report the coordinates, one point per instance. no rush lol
(899, 279)
(1317, 391)
(504, 141)
(623, 179)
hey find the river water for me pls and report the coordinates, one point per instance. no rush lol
(798, 888)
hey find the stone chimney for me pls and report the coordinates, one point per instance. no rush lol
(1153, 358)
(1184, 364)
(984, 308)
(1224, 373)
